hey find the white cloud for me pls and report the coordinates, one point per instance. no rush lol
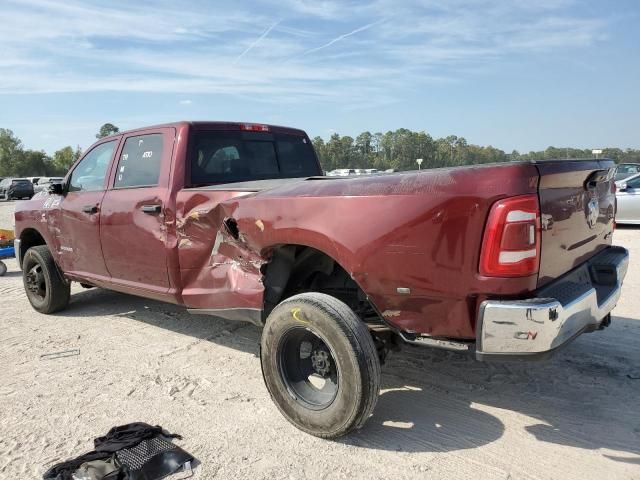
(185, 102)
(281, 51)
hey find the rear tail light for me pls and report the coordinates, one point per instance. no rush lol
(511, 243)
(254, 127)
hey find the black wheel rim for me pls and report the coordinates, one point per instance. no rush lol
(36, 285)
(308, 368)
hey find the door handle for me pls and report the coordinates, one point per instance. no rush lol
(90, 209)
(151, 209)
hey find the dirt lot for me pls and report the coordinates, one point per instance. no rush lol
(440, 415)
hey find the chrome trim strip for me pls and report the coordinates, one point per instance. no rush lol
(16, 247)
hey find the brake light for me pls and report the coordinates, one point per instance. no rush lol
(511, 243)
(254, 127)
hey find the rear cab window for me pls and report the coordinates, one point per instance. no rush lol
(237, 156)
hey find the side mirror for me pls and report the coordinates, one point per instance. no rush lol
(57, 189)
(622, 187)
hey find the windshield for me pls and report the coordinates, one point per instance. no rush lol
(225, 157)
(628, 169)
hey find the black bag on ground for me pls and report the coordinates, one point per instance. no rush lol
(143, 452)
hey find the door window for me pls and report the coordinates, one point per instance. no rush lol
(140, 161)
(635, 183)
(89, 175)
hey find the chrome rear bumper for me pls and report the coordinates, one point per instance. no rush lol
(536, 327)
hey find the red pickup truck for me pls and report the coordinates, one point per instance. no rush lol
(235, 220)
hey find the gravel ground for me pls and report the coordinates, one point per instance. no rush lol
(440, 415)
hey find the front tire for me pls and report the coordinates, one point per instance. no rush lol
(46, 288)
(320, 365)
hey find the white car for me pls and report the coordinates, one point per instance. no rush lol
(628, 199)
(342, 172)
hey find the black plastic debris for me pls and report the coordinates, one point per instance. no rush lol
(136, 451)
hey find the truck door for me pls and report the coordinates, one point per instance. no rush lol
(78, 240)
(133, 231)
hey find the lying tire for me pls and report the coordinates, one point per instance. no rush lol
(3, 268)
(46, 288)
(320, 365)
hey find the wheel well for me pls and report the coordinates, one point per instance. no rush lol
(296, 269)
(29, 238)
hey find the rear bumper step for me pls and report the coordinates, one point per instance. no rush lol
(536, 327)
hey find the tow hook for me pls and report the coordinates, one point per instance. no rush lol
(606, 321)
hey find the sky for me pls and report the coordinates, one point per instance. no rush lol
(515, 74)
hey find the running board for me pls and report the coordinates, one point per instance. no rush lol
(251, 315)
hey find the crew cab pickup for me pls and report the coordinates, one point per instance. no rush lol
(235, 220)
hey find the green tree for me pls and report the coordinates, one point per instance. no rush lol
(64, 158)
(321, 151)
(10, 151)
(32, 163)
(106, 130)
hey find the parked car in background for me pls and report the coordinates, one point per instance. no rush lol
(33, 180)
(626, 170)
(342, 172)
(345, 172)
(44, 183)
(11, 188)
(628, 200)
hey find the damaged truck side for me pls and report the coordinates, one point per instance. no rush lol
(236, 220)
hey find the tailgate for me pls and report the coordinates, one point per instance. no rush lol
(577, 203)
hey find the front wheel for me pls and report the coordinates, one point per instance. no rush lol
(46, 288)
(320, 365)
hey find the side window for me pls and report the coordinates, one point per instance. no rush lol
(140, 160)
(89, 175)
(635, 183)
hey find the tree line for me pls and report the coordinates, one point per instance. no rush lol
(397, 149)
(18, 161)
(401, 148)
